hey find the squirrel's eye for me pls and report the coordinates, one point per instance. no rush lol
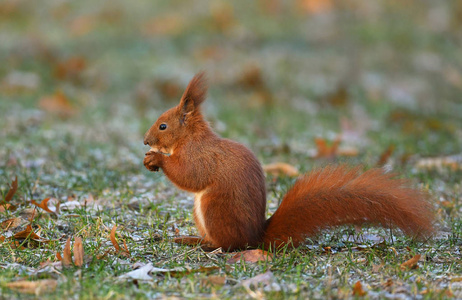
(163, 126)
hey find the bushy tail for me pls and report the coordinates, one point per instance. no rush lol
(339, 195)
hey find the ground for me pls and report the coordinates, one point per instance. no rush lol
(80, 83)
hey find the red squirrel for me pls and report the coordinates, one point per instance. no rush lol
(230, 194)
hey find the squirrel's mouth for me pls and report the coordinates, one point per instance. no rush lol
(161, 150)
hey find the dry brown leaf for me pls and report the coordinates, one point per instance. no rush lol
(6, 207)
(58, 104)
(124, 252)
(325, 150)
(70, 67)
(266, 278)
(216, 279)
(339, 97)
(28, 233)
(386, 155)
(171, 24)
(358, 290)
(251, 256)
(11, 223)
(376, 268)
(44, 205)
(315, 6)
(222, 14)
(82, 25)
(67, 258)
(78, 252)
(251, 78)
(281, 168)
(388, 283)
(169, 88)
(12, 191)
(411, 263)
(37, 287)
(113, 238)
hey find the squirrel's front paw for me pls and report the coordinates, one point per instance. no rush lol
(151, 162)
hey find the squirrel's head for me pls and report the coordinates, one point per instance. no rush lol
(180, 122)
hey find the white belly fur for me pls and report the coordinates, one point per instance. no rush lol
(198, 210)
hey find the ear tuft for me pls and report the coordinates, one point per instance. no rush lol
(195, 93)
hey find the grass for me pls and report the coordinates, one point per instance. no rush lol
(378, 74)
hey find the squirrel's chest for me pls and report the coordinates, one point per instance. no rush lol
(199, 213)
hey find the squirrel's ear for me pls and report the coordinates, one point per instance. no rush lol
(194, 95)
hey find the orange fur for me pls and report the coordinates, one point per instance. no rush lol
(230, 187)
(338, 195)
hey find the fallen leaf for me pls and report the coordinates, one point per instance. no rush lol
(58, 104)
(6, 207)
(358, 290)
(113, 238)
(28, 214)
(338, 98)
(70, 68)
(12, 191)
(315, 6)
(222, 14)
(386, 155)
(169, 25)
(82, 25)
(265, 279)
(388, 283)
(143, 272)
(37, 287)
(279, 168)
(67, 258)
(44, 205)
(251, 256)
(12, 223)
(325, 150)
(140, 273)
(169, 88)
(124, 252)
(376, 268)
(411, 263)
(251, 78)
(215, 279)
(78, 252)
(28, 233)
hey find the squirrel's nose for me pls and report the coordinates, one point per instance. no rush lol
(146, 139)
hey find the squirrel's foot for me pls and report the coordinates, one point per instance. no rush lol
(194, 241)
